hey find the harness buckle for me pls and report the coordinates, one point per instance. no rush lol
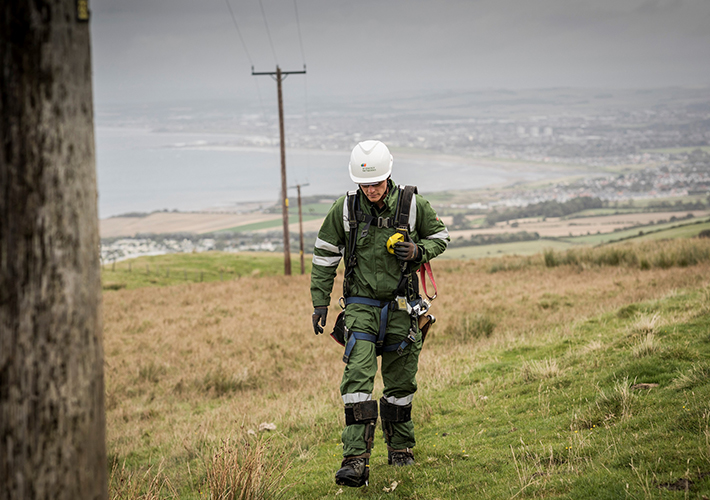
(411, 338)
(381, 222)
(402, 304)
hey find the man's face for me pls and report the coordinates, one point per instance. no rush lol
(374, 192)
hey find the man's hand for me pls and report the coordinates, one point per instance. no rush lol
(319, 314)
(407, 250)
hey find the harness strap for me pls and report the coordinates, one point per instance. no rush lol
(404, 203)
(384, 313)
(378, 339)
(355, 336)
(366, 301)
(368, 219)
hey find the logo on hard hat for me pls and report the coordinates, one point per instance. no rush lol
(363, 165)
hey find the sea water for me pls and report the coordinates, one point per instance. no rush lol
(140, 170)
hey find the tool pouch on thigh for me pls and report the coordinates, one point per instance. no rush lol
(365, 413)
(338, 332)
(425, 322)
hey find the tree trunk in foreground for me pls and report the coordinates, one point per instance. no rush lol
(52, 423)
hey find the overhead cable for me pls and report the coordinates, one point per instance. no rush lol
(300, 39)
(268, 33)
(251, 61)
(234, 20)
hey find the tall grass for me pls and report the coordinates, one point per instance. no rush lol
(127, 483)
(245, 472)
(646, 255)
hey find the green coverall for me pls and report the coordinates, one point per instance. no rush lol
(376, 276)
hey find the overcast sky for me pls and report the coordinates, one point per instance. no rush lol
(146, 50)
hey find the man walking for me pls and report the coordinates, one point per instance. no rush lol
(385, 233)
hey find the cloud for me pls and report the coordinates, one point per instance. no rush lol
(185, 49)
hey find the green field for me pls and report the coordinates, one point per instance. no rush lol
(515, 248)
(268, 224)
(684, 231)
(597, 212)
(181, 268)
(659, 230)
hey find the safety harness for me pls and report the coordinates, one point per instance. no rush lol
(407, 293)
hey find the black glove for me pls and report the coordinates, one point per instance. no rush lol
(319, 314)
(407, 250)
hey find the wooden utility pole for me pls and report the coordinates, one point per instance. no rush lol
(300, 223)
(279, 77)
(52, 423)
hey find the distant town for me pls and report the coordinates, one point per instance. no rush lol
(635, 145)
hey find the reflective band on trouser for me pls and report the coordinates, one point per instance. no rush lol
(327, 261)
(356, 397)
(399, 401)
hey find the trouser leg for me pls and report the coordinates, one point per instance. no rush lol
(356, 387)
(399, 377)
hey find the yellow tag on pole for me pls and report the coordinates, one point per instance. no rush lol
(82, 10)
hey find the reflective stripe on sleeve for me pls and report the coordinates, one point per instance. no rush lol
(327, 261)
(441, 235)
(356, 397)
(324, 245)
(400, 401)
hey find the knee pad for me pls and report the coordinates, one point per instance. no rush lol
(392, 414)
(365, 413)
(361, 413)
(395, 413)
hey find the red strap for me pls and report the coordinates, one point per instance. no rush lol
(427, 268)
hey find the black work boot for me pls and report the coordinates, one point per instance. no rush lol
(400, 458)
(354, 471)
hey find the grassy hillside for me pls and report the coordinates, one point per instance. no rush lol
(529, 385)
(182, 268)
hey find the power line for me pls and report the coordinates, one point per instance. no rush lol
(234, 20)
(246, 51)
(300, 39)
(308, 125)
(305, 86)
(268, 33)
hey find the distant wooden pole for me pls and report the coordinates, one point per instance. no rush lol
(280, 75)
(284, 195)
(300, 227)
(300, 224)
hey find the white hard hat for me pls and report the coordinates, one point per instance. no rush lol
(370, 162)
